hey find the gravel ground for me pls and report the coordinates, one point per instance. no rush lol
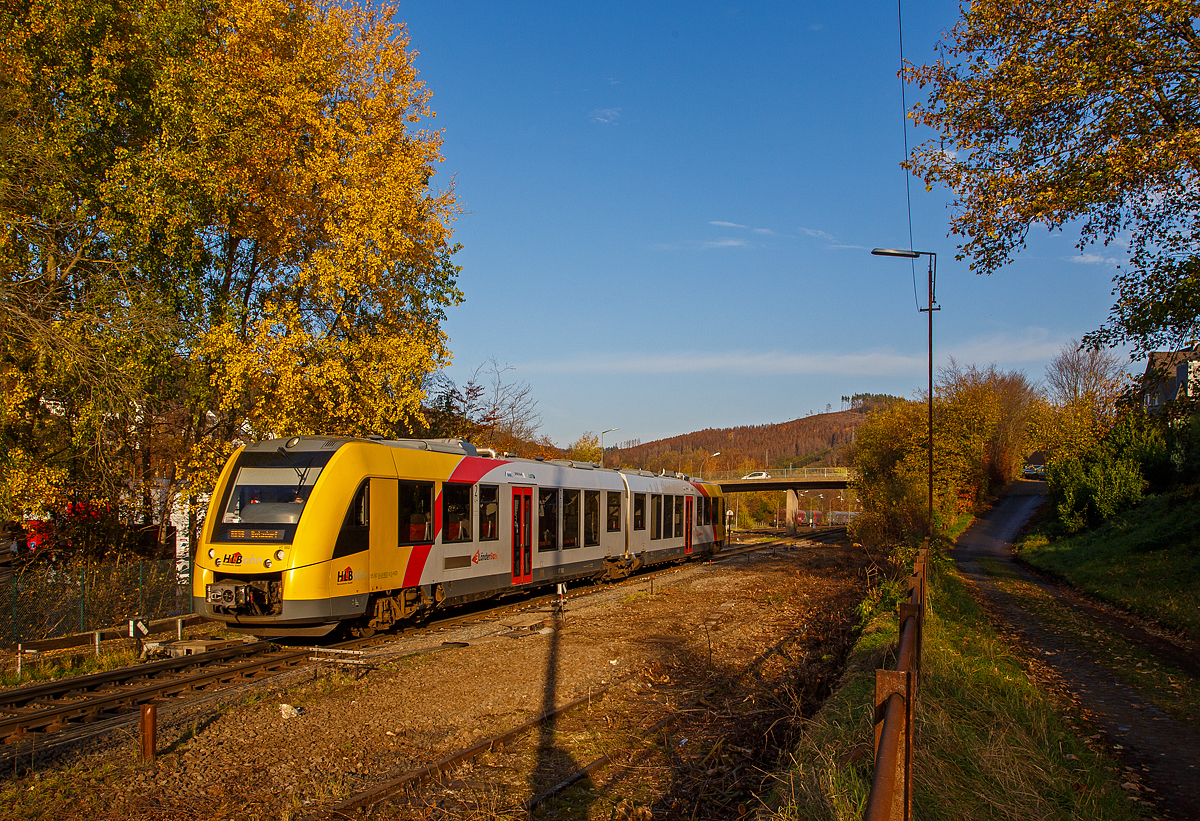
(720, 650)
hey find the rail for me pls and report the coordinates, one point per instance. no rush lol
(896, 693)
(780, 473)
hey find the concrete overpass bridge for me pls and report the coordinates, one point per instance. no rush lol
(796, 481)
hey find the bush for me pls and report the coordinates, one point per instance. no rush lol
(1086, 494)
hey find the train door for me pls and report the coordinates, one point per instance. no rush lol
(688, 519)
(522, 541)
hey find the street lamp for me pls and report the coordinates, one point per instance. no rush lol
(610, 430)
(932, 306)
(705, 462)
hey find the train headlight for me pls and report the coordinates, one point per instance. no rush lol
(212, 554)
(267, 563)
(278, 555)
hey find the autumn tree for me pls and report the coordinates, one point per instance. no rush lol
(1079, 111)
(220, 224)
(980, 439)
(492, 409)
(585, 449)
(1079, 371)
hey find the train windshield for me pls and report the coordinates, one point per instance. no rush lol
(270, 494)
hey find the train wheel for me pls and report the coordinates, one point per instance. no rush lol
(362, 631)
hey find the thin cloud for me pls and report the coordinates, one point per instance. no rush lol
(878, 363)
(855, 247)
(697, 245)
(1025, 345)
(1094, 259)
(724, 224)
(1007, 349)
(767, 231)
(613, 81)
(605, 115)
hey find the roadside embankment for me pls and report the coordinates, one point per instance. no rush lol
(1146, 561)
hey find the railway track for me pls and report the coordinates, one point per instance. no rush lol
(54, 715)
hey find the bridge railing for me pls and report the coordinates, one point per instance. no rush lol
(780, 473)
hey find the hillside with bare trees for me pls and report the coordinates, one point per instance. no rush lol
(815, 440)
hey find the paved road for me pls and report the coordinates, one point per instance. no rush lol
(1164, 750)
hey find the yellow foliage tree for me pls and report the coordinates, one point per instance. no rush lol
(585, 449)
(236, 203)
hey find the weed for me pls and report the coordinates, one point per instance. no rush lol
(50, 668)
(989, 743)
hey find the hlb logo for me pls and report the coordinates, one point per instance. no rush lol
(346, 575)
(236, 558)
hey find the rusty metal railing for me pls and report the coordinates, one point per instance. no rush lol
(895, 694)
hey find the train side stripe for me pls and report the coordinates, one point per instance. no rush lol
(437, 515)
(416, 564)
(473, 468)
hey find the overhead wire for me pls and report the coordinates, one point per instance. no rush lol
(904, 123)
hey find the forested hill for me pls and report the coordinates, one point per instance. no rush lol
(820, 439)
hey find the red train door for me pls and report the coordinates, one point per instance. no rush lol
(522, 541)
(687, 523)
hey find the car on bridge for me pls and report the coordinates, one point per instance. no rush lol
(758, 474)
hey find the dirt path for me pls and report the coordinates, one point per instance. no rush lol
(1135, 704)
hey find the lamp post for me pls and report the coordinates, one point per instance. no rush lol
(932, 306)
(705, 462)
(610, 430)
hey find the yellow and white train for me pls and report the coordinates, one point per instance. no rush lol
(311, 532)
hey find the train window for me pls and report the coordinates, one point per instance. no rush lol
(668, 529)
(355, 535)
(456, 512)
(678, 517)
(547, 519)
(489, 512)
(614, 511)
(656, 517)
(270, 495)
(415, 512)
(707, 507)
(570, 533)
(639, 511)
(591, 518)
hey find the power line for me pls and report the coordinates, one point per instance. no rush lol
(904, 123)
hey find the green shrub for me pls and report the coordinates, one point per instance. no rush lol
(1087, 493)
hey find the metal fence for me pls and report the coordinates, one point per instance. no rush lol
(44, 602)
(895, 696)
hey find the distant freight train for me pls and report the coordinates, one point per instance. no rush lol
(310, 533)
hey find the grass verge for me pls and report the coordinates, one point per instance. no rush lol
(990, 743)
(1146, 561)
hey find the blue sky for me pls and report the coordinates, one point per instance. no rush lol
(669, 211)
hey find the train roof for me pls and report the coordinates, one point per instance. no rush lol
(308, 444)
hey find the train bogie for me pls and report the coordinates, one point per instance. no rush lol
(311, 532)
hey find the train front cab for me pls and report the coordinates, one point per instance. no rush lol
(285, 546)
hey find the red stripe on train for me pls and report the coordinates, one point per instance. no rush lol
(416, 564)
